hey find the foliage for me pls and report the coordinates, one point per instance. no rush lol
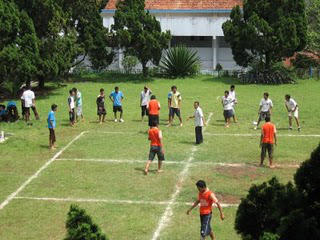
(66, 30)
(129, 63)
(291, 212)
(139, 33)
(269, 236)
(304, 61)
(266, 30)
(81, 227)
(313, 20)
(19, 53)
(180, 61)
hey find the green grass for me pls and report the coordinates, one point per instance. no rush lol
(26, 151)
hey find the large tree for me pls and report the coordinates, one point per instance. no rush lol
(139, 33)
(19, 53)
(67, 32)
(266, 31)
(313, 18)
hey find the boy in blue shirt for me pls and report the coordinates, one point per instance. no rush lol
(52, 125)
(116, 97)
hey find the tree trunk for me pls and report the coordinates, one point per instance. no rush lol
(41, 82)
(268, 62)
(144, 69)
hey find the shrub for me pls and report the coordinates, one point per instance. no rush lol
(129, 63)
(304, 61)
(81, 227)
(180, 61)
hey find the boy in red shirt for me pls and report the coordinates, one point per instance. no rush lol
(268, 140)
(206, 198)
(156, 147)
(153, 110)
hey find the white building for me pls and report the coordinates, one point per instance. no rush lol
(194, 23)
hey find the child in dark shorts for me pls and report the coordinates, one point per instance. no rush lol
(101, 111)
(51, 126)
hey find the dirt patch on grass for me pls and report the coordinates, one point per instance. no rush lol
(239, 172)
(227, 198)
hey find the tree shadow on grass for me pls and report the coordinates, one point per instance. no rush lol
(190, 143)
(141, 170)
(225, 80)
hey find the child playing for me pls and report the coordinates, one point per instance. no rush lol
(206, 198)
(71, 106)
(100, 106)
(156, 147)
(52, 125)
(227, 103)
(293, 111)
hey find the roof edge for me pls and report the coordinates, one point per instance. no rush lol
(178, 10)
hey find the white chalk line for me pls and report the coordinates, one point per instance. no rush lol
(258, 135)
(166, 217)
(34, 176)
(111, 201)
(195, 163)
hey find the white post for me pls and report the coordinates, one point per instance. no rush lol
(214, 51)
(120, 58)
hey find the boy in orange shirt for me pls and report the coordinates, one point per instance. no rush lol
(156, 147)
(206, 198)
(268, 140)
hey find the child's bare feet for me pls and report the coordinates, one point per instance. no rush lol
(145, 172)
(160, 171)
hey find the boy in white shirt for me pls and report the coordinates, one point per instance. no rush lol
(28, 99)
(293, 111)
(199, 122)
(227, 103)
(71, 106)
(232, 94)
(265, 108)
(144, 100)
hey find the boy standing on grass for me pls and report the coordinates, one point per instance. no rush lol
(227, 103)
(101, 111)
(28, 99)
(232, 94)
(267, 141)
(206, 198)
(199, 122)
(144, 100)
(78, 103)
(52, 125)
(156, 147)
(71, 105)
(174, 103)
(153, 109)
(293, 111)
(265, 108)
(116, 98)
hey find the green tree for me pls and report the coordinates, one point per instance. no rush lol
(139, 33)
(19, 53)
(267, 30)
(276, 211)
(313, 19)
(81, 227)
(67, 31)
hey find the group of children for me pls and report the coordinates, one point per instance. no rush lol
(75, 106)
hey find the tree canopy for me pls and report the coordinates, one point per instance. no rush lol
(139, 33)
(313, 19)
(56, 36)
(266, 30)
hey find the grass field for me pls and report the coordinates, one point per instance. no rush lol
(100, 167)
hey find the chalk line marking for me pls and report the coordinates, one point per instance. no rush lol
(34, 176)
(165, 218)
(110, 201)
(258, 135)
(195, 163)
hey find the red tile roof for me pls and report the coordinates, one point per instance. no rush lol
(184, 4)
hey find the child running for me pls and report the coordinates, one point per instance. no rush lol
(227, 103)
(293, 111)
(156, 147)
(206, 199)
(52, 126)
(71, 106)
(101, 111)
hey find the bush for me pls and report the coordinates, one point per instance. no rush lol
(129, 63)
(81, 227)
(180, 61)
(304, 61)
(276, 211)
